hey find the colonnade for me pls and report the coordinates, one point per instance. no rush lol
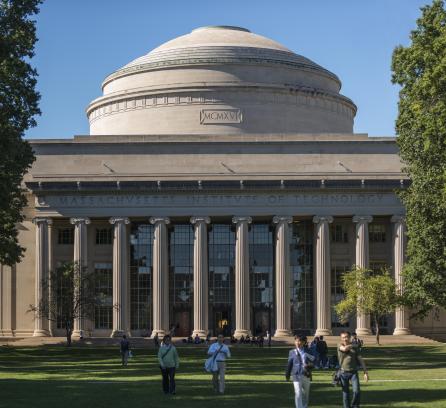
(160, 272)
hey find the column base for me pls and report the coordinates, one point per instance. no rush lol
(283, 333)
(201, 333)
(41, 333)
(323, 332)
(401, 331)
(242, 332)
(77, 334)
(6, 333)
(363, 332)
(117, 333)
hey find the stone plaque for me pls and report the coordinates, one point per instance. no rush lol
(220, 116)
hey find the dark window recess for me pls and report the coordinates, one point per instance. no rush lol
(104, 236)
(377, 232)
(339, 233)
(65, 236)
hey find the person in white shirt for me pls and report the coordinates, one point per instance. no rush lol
(220, 352)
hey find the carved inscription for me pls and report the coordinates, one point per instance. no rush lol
(220, 116)
(218, 200)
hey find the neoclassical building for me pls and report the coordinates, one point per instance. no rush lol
(221, 188)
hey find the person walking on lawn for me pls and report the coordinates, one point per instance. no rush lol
(322, 351)
(124, 346)
(220, 351)
(299, 369)
(350, 360)
(169, 362)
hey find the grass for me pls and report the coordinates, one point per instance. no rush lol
(56, 376)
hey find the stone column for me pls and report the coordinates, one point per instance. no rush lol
(323, 275)
(399, 256)
(41, 325)
(80, 259)
(362, 261)
(120, 276)
(242, 305)
(6, 301)
(201, 272)
(283, 286)
(160, 287)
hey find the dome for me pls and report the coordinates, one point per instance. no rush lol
(225, 80)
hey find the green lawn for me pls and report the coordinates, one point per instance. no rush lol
(92, 377)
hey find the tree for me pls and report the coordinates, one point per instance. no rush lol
(72, 296)
(18, 106)
(420, 70)
(370, 293)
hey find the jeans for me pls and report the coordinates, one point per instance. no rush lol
(302, 392)
(125, 357)
(346, 377)
(168, 374)
(218, 377)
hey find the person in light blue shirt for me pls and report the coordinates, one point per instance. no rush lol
(298, 368)
(219, 351)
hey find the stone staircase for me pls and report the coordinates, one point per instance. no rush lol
(144, 342)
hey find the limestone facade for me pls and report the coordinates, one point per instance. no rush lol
(222, 190)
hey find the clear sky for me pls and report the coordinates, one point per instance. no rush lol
(82, 41)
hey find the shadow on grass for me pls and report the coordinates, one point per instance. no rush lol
(72, 377)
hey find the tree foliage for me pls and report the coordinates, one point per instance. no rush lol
(369, 293)
(18, 106)
(420, 70)
(69, 295)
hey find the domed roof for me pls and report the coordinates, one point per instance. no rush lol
(221, 80)
(214, 44)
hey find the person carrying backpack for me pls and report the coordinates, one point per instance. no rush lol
(350, 360)
(218, 353)
(169, 362)
(299, 369)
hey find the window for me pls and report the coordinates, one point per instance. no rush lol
(103, 313)
(181, 252)
(377, 232)
(261, 264)
(337, 293)
(339, 233)
(377, 266)
(104, 236)
(141, 239)
(221, 264)
(301, 261)
(65, 236)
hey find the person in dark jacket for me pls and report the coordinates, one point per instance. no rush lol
(125, 350)
(298, 368)
(322, 351)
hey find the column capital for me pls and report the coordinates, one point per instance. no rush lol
(282, 219)
(159, 220)
(118, 220)
(197, 220)
(320, 219)
(76, 220)
(41, 220)
(241, 219)
(398, 219)
(362, 219)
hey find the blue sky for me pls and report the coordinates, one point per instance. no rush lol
(82, 41)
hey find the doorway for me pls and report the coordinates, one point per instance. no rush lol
(182, 322)
(222, 322)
